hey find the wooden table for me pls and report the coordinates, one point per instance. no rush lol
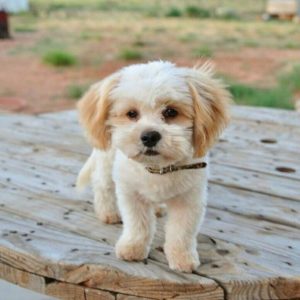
(249, 245)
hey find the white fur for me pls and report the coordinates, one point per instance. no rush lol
(120, 171)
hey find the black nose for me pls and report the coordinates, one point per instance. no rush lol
(150, 138)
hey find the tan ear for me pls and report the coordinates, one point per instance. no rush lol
(94, 111)
(211, 102)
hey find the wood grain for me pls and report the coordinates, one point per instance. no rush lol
(249, 244)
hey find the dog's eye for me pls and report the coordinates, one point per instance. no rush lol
(132, 114)
(170, 112)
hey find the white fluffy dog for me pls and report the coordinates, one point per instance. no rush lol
(151, 126)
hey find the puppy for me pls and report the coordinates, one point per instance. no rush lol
(151, 126)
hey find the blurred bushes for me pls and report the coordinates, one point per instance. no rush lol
(59, 58)
(147, 8)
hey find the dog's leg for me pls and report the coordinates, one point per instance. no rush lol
(184, 217)
(139, 225)
(104, 188)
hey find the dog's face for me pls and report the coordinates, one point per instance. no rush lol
(156, 113)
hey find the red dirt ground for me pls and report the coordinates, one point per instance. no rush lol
(43, 87)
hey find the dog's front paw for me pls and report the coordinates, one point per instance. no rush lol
(182, 260)
(131, 251)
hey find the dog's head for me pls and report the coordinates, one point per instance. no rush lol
(156, 113)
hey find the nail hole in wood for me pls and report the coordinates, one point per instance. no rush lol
(268, 141)
(24, 234)
(32, 231)
(104, 240)
(245, 263)
(251, 251)
(213, 241)
(215, 266)
(160, 249)
(293, 210)
(285, 170)
(221, 231)
(74, 250)
(218, 218)
(288, 263)
(290, 247)
(39, 223)
(107, 253)
(28, 240)
(222, 140)
(13, 231)
(223, 251)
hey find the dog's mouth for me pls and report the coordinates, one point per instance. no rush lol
(150, 152)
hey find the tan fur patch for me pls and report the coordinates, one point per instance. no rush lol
(94, 110)
(211, 116)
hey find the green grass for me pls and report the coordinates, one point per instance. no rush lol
(130, 54)
(25, 29)
(76, 91)
(153, 7)
(193, 11)
(59, 58)
(203, 51)
(139, 43)
(90, 35)
(251, 43)
(226, 13)
(291, 80)
(173, 12)
(279, 97)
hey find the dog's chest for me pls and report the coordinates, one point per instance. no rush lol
(154, 187)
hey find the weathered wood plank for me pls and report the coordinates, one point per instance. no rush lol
(263, 182)
(267, 184)
(252, 239)
(265, 265)
(89, 265)
(93, 294)
(22, 278)
(263, 115)
(61, 290)
(51, 287)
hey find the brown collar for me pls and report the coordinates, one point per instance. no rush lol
(172, 168)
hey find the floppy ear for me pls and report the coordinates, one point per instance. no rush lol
(94, 111)
(211, 102)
